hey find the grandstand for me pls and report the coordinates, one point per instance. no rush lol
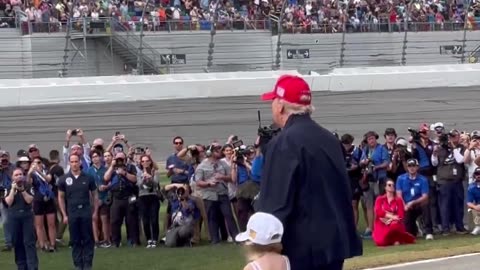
(101, 38)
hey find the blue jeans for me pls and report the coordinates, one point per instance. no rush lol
(7, 231)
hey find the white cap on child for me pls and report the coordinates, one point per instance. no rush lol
(262, 229)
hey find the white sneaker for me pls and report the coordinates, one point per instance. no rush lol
(429, 236)
(476, 231)
(229, 239)
(149, 244)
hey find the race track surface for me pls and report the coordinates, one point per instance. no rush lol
(453, 263)
(155, 123)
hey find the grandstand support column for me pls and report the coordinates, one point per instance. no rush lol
(63, 72)
(464, 40)
(140, 47)
(278, 55)
(213, 32)
(85, 31)
(342, 45)
(405, 39)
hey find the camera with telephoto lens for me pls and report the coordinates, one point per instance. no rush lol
(443, 140)
(240, 151)
(414, 133)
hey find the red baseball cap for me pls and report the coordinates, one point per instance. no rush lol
(290, 88)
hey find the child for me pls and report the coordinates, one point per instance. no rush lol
(262, 240)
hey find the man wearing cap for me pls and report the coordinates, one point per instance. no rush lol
(422, 149)
(211, 178)
(401, 154)
(5, 185)
(449, 161)
(34, 152)
(473, 200)
(390, 136)
(413, 189)
(122, 179)
(304, 174)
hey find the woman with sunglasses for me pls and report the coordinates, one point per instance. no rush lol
(389, 215)
(149, 202)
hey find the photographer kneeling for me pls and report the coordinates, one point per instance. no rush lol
(247, 187)
(184, 214)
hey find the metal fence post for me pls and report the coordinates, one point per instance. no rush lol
(278, 54)
(342, 46)
(140, 46)
(405, 40)
(464, 40)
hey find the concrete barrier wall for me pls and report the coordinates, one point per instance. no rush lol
(134, 88)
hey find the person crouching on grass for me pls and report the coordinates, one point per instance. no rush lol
(262, 242)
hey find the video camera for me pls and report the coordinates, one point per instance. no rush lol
(266, 133)
(443, 140)
(240, 152)
(414, 133)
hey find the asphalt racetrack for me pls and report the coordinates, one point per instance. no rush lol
(462, 262)
(155, 123)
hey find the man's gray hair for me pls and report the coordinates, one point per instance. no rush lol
(292, 108)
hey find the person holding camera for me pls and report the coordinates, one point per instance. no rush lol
(122, 178)
(82, 149)
(247, 188)
(43, 204)
(19, 201)
(78, 201)
(184, 215)
(400, 156)
(472, 153)
(149, 201)
(5, 185)
(211, 178)
(449, 158)
(375, 161)
(102, 219)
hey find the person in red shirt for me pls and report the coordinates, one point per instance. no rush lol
(389, 213)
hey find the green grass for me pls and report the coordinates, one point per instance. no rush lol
(229, 256)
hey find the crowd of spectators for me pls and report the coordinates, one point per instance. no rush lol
(325, 16)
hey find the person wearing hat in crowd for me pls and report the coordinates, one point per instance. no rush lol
(304, 174)
(81, 149)
(473, 200)
(471, 154)
(211, 179)
(449, 161)
(34, 152)
(263, 243)
(390, 136)
(401, 155)
(413, 189)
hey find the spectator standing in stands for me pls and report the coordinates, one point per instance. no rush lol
(304, 174)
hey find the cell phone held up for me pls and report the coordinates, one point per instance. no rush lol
(74, 132)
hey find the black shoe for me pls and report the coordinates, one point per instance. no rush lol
(52, 249)
(7, 249)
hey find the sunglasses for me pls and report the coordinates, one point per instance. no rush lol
(389, 185)
(178, 143)
(33, 150)
(411, 165)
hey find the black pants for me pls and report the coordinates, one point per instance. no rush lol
(123, 210)
(149, 208)
(451, 205)
(244, 210)
(413, 214)
(213, 208)
(81, 238)
(23, 240)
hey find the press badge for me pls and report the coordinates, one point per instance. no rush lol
(412, 192)
(454, 171)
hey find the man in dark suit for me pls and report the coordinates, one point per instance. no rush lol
(305, 183)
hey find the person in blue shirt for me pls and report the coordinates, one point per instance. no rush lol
(413, 189)
(5, 186)
(247, 187)
(375, 160)
(97, 171)
(473, 200)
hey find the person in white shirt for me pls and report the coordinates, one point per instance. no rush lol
(262, 242)
(471, 154)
